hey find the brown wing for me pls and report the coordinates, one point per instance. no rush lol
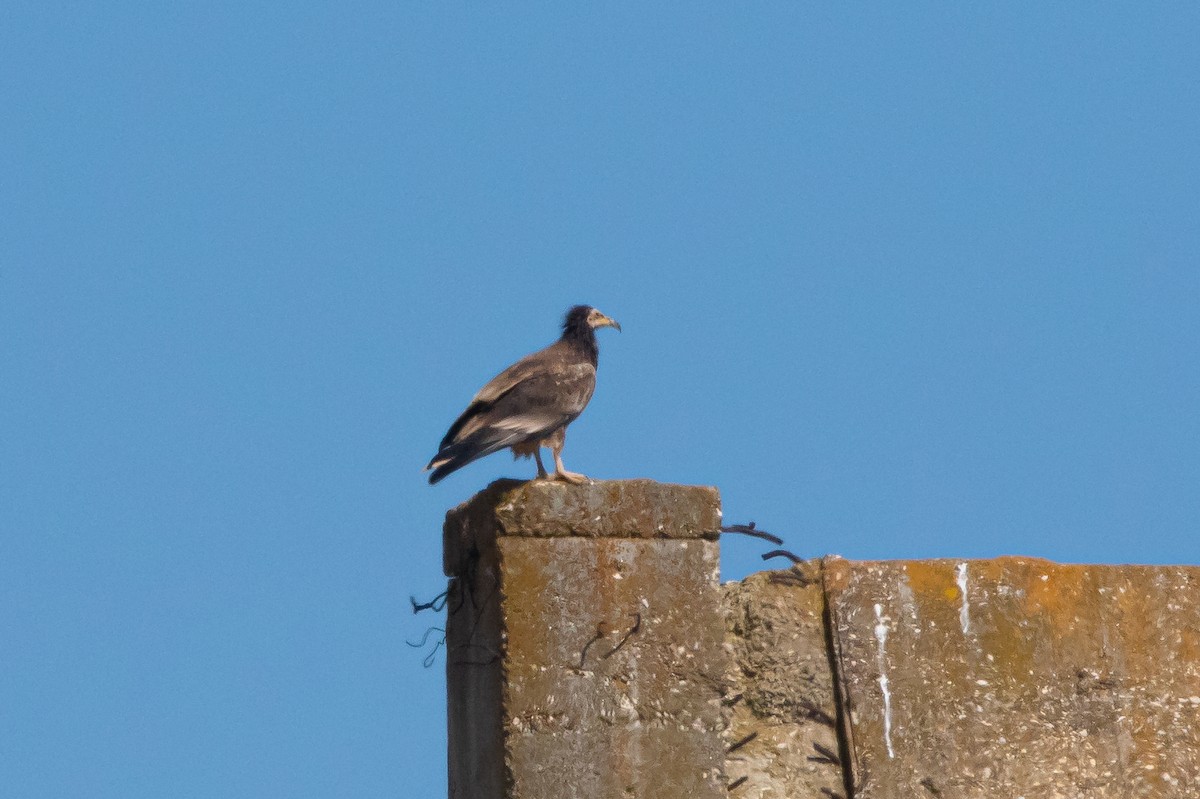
(529, 366)
(530, 400)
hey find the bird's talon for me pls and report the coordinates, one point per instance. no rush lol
(572, 478)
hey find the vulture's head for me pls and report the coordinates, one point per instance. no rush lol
(585, 317)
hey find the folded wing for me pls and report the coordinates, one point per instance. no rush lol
(528, 401)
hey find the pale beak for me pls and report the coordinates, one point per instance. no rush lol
(605, 321)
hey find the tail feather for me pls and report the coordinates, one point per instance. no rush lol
(445, 469)
(454, 457)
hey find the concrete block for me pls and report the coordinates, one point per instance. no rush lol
(587, 658)
(602, 509)
(1019, 677)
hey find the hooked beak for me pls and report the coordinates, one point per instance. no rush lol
(606, 321)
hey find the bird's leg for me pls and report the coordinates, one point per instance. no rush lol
(537, 456)
(560, 472)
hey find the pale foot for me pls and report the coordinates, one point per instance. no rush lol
(571, 477)
(561, 473)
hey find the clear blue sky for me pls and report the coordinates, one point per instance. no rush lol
(902, 283)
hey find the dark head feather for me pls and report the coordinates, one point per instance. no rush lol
(580, 334)
(576, 319)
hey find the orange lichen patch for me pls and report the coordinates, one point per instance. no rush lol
(934, 590)
(1005, 564)
(525, 580)
(1010, 570)
(1041, 680)
(932, 579)
(1188, 649)
(1055, 591)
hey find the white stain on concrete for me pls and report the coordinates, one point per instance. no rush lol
(907, 600)
(881, 634)
(964, 613)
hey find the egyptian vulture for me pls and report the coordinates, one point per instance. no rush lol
(529, 405)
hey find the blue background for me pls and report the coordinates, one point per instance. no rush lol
(901, 282)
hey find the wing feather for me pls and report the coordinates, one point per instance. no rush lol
(528, 401)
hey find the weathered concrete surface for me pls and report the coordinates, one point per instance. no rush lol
(600, 605)
(1018, 677)
(605, 508)
(780, 688)
(474, 678)
(591, 653)
(614, 667)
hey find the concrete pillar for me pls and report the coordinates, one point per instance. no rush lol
(585, 651)
(783, 730)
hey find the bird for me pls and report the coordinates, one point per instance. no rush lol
(529, 405)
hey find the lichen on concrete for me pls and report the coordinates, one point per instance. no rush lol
(614, 662)
(592, 653)
(1020, 677)
(612, 658)
(600, 509)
